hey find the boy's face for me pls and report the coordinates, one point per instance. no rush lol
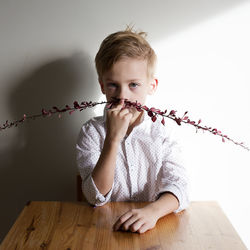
(128, 79)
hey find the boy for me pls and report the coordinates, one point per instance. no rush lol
(123, 155)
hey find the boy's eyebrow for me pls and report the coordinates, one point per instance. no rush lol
(109, 80)
(132, 80)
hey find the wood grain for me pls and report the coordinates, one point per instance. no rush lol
(69, 225)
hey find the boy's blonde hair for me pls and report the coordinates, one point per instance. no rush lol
(127, 43)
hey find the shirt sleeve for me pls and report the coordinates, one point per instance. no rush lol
(173, 175)
(88, 151)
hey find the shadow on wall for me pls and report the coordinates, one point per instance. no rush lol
(42, 166)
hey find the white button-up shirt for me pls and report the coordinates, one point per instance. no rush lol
(148, 163)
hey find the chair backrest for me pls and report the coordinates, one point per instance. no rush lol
(80, 196)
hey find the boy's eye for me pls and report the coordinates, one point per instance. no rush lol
(134, 85)
(112, 85)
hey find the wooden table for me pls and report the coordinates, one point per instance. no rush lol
(69, 225)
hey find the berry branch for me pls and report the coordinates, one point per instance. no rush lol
(152, 112)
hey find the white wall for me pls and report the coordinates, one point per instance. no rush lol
(47, 51)
(205, 69)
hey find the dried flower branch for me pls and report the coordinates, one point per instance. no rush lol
(52, 111)
(152, 112)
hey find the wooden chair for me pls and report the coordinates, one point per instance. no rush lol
(80, 196)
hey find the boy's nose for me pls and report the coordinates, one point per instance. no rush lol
(122, 94)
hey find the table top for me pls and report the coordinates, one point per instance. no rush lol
(75, 225)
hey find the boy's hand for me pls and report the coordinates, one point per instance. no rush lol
(118, 120)
(136, 220)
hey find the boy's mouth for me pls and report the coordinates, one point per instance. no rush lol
(115, 100)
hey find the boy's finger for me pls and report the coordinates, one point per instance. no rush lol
(143, 229)
(121, 220)
(124, 111)
(134, 227)
(127, 224)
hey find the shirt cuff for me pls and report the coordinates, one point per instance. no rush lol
(183, 201)
(93, 195)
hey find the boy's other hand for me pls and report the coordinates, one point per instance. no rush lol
(118, 119)
(136, 220)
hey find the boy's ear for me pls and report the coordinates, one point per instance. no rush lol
(153, 86)
(102, 86)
